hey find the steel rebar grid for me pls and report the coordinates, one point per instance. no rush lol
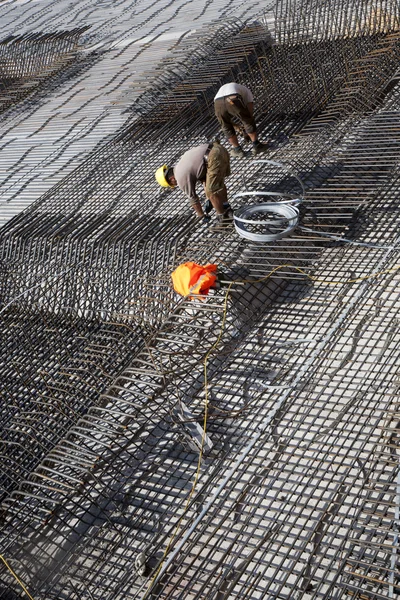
(101, 532)
(285, 352)
(26, 61)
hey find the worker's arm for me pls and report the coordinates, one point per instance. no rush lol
(188, 186)
(250, 106)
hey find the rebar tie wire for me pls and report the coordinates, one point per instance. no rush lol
(17, 579)
(285, 210)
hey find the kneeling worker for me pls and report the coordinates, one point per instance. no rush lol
(235, 100)
(208, 164)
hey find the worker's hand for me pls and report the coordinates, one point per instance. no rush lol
(206, 220)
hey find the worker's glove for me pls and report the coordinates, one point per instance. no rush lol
(208, 207)
(205, 220)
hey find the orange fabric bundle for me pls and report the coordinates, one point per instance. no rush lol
(191, 278)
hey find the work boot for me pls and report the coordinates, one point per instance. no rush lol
(259, 147)
(227, 215)
(236, 152)
(228, 212)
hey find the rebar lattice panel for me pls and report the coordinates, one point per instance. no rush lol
(302, 20)
(27, 60)
(107, 372)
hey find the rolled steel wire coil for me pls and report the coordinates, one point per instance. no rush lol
(269, 221)
(274, 221)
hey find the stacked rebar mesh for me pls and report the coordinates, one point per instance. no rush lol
(243, 444)
(27, 60)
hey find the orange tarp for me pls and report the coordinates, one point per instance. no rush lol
(190, 278)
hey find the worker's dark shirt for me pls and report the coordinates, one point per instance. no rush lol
(190, 169)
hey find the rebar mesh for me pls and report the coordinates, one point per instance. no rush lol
(25, 61)
(106, 372)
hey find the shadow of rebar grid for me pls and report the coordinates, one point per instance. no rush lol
(240, 445)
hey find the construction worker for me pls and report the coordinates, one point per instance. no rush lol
(208, 164)
(235, 100)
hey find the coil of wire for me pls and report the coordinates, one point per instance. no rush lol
(266, 222)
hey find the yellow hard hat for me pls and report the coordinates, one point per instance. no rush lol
(160, 176)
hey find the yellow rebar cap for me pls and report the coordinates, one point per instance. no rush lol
(160, 176)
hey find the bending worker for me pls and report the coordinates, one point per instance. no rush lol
(235, 100)
(208, 164)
